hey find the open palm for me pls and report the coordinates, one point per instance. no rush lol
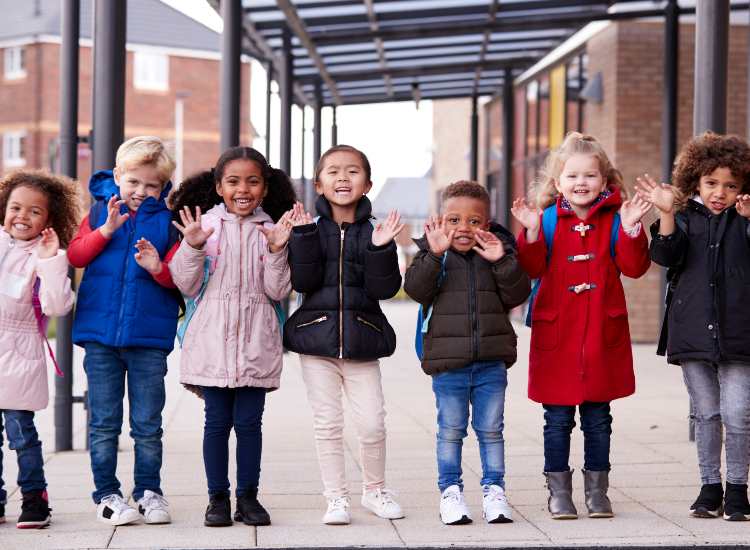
(525, 214)
(661, 195)
(438, 240)
(385, 232)
(633, 210)
(191, 227)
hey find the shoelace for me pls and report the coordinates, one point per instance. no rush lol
(154, 500)
(453, 496)
(385, 495)
(116, 502)
(495, 493)
(340, 503)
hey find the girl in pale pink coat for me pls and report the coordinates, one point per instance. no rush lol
(232, 269)
(38, 213)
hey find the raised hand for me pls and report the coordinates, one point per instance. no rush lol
(488, 246)
(114, 218)
(661, 195)
(191, 228)
(525, 214)
(438, 240)
(299, 216)
(49, 245)
(633, 210)
(278, 235)
(385, 232)
(743, 206)
(147, 256)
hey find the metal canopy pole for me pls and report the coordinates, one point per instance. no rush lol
(334, 129)
(506, 176)
(269, 80)
(474, 139)
(229, 79)
(69, 68)
(109, 81)
(317, 124)
(711, 60)
(285, 92)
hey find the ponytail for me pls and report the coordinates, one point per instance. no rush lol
(198, 190)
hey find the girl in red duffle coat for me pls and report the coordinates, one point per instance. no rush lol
(580, 340)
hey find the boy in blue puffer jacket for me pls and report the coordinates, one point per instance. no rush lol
(126, 319)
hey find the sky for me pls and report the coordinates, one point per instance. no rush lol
(396, 137)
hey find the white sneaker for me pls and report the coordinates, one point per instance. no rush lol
(380, 502)
(337, 512)
(154, 508)
(495, 505)
(115, 511)
(453, 509)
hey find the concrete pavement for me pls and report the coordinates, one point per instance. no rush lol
(654, 477)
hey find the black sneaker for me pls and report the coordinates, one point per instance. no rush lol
(708, 503)
(736, 506)
(219, 511)
(35, 511)
(2, 512)
(250, 511)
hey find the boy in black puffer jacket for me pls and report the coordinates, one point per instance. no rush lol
(343, 266)
(468, 272)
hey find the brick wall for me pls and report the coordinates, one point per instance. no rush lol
(32, 104)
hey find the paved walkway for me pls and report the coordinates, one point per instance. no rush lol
(654, 475)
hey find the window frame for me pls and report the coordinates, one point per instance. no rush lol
(14, 63)
(14, 142)
(147, 66)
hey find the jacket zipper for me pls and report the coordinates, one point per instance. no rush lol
(368, 323)
(121, 314)
(341, 294)
(314, 321)
(239, 309)
(473, 312)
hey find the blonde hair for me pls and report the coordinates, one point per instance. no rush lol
(545, 193)
(145, 150)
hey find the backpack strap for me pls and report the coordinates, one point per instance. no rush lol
(549, 224)
(424, 316)
(41, 323)
(616, 223)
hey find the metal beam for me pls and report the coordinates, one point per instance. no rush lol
(110, 19)
(374, 26)
(474, 139)
(229, 74)
(334, 129)
(505, 192)
(317, 124)
(69, 72)
(400, 96)
(269, 81)
(671, 91)
(711, 64)
(286, 77)
(296, 24)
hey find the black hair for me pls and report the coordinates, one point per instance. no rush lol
(200, 189)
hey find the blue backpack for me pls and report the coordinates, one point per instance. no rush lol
(549, 223)
(423, 316)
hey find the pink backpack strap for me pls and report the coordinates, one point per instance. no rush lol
(41, 323)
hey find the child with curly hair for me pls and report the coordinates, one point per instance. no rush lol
(703, 238)
(38, 214)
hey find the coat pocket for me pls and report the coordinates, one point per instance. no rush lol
(615, 327)
(544, 329)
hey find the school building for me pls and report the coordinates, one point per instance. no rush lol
(607, 80)
(171, 84)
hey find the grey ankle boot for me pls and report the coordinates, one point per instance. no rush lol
(560, 503)
(595, 486)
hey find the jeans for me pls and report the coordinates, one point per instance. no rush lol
(241, 409)
(481, 384)
(720, 394)
(596, 425)
(22, 438)
(106, 368)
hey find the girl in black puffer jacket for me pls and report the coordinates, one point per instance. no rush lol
(706, 330)
(343, 266)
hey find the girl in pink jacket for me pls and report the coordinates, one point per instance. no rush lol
(38, 214)
(232, 267)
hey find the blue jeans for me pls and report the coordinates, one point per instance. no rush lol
(596, 425)
(106, 368)
(720, 395)
(481, 384)
(241, 409)
(22, 438)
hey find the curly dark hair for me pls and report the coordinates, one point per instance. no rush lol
(200, 189)
(705, 153)
(469, 189)
(63, 195)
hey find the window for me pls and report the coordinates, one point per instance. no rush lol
(14, 149)
(151, 71)
(14, 63)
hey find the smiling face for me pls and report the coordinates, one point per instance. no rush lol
(27, 213)
(465, 215)
(242, 186)
(718, 190)
(343, 179)
(581, 182)
(138, 183)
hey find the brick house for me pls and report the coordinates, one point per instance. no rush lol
(172, 68)
(627, 59)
